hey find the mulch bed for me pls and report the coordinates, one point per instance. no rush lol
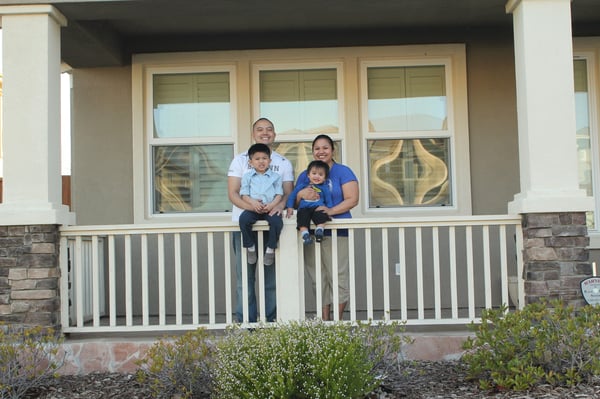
(418, 379)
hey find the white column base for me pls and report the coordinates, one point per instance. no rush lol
(551, 202)
(17, 214)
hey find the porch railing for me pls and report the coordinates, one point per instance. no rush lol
(425, 271)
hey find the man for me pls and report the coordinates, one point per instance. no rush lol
(263, 131)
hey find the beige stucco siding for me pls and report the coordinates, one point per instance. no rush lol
(493, 136)
(101, 146)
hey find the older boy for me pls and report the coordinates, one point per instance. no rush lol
(262, 189)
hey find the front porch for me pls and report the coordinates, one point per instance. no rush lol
(131, 284)
(426, 272)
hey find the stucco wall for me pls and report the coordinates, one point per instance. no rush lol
(102, 177)
(493, 135)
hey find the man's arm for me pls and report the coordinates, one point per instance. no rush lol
(288, 186)
(234, 185)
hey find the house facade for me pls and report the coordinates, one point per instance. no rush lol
(449, 113)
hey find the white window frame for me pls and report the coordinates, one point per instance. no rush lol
(144, 194)
(259, 67)
(589, 49)
(456, 131)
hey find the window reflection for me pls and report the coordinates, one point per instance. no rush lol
(300, 154)
(411, 172)
(191, 178)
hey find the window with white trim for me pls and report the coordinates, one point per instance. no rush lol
(303, 102)
(408, 137)
(586, 131)
(190, 142)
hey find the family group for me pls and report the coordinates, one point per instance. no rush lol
(261, 187)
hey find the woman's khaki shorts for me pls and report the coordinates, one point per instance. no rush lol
(326, 269)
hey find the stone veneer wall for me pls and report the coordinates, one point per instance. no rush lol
(555, 256)
(29, 275)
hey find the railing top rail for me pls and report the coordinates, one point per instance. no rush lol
(227, 226)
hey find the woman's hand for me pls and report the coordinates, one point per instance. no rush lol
(308, 194)
(324, 209)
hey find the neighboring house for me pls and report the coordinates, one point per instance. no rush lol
(453, 114)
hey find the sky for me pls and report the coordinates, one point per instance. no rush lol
(65, 89)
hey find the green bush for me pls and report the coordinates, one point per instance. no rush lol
(28, 358)
(309, 359)
(544, 342)
(178, 365)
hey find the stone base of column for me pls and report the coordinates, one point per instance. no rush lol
(29, 275)
(555, 256)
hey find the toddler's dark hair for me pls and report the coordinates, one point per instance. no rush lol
(318, 165)
(258, 147)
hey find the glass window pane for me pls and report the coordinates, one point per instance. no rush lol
(191, 178)
(406, 98)
(584, 146)
(300, 154)
(300, 101)
(191, 105)
(413, 172)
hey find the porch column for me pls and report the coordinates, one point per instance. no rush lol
(545, 108)
(551, 202)
(31, 111)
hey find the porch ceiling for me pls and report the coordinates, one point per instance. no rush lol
(105, 33)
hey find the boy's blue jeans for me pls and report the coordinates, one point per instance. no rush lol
(247, 220)
(270, 286)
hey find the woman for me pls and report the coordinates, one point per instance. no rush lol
(343, 185)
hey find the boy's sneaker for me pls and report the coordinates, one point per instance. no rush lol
(319, 235)
(306, 238)
(269, 258)
(252, 258)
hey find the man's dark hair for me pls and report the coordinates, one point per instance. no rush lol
(318, 165)
(262, 119)
(258, 147)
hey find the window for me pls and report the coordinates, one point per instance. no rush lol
(302, 103)
(408, 172)
(585, 63)
(408, 138)
(586, 152)
(190, 142)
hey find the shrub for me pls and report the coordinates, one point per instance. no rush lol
(178, 365)
(543, 343)
(309, 359)
(28, 358)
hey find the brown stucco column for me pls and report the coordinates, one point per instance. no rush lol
(555, 256)
(29, 275)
